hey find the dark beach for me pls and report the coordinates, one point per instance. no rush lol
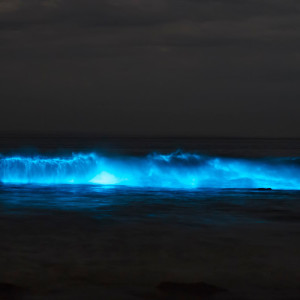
(69, 255)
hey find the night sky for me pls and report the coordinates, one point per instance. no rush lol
(151, 67)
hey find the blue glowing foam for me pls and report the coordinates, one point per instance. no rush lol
(175, 170)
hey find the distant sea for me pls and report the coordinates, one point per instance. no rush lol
(110, 218)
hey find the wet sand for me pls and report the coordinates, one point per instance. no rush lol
(68, 255)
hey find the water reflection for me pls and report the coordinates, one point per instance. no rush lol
(201, 206)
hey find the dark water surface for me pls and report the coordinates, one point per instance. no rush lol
(67, 241)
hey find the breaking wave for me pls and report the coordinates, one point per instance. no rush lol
(175, 170)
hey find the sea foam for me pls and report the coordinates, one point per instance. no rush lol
(174, 170)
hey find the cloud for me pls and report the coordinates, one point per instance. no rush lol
(7, 6)
(241, 36)
(141, 12)
(185, 61)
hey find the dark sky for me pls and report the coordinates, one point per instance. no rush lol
(151, 67)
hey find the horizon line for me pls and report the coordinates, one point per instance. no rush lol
(82, 134)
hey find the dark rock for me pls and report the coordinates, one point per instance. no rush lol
(197, 288)
(264, 189)
(10, 291)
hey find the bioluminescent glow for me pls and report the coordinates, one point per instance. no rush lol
(175, 170)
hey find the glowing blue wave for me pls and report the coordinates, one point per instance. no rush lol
(176, 170)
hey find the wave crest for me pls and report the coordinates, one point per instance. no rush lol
(174, 170)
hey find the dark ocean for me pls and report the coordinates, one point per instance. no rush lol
(110, 218)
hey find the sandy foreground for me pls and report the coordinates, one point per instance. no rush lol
(71, 256)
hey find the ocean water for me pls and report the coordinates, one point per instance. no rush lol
(116, 216)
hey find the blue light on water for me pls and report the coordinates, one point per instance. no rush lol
(175, 170)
